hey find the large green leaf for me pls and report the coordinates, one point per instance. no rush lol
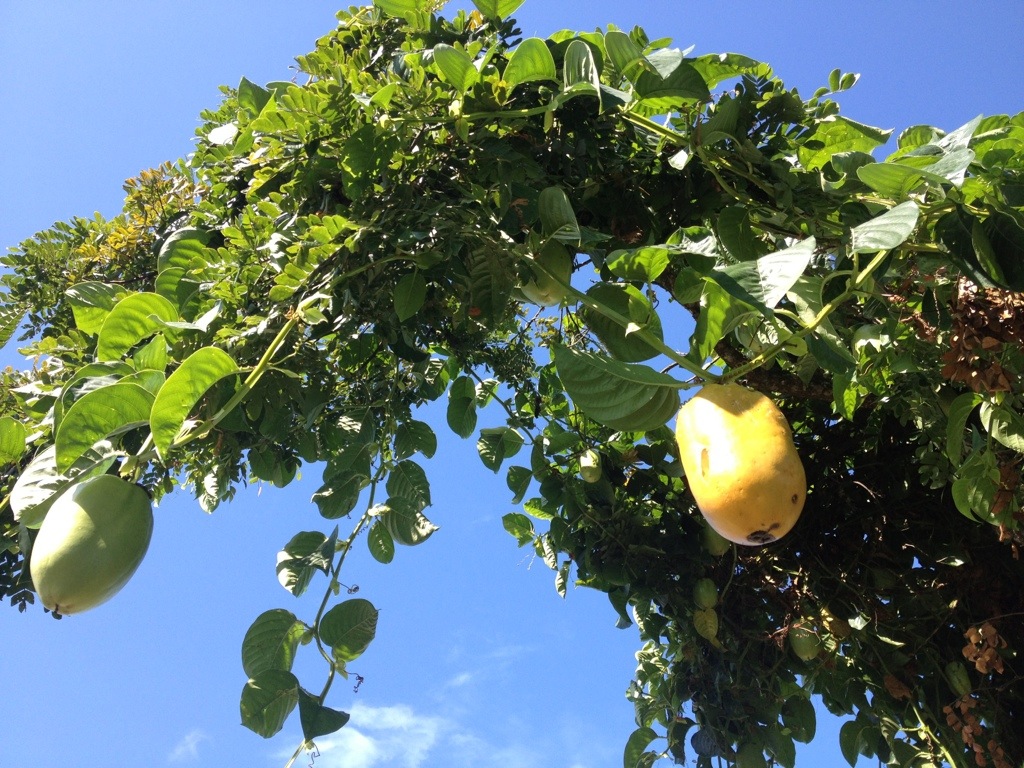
(625, 55)
(103, 412)
(629, 302)
(580, 75)
(557, 217)
(349, 628)
(306, 553)
(183, 389)
(414, 437)
(619, 395)
(674, 83)
(91, 302)
(840, 134)
(267, 700)
(404, 522)
(410, 293)
(380, 543)
(461, 412)
(636, 744)
(885, 232)
(497, 444)
(134, 318)
(408, 481)
(316, 719)
(12, 439)
(456, 67)
(271, 641)
(531, 60)
(764, 283)
(497, 9)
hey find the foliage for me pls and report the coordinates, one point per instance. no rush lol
(339, 252)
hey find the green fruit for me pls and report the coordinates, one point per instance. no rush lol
(705, 593)
(590, 466)
(545, 289)
(714, 542)
(90, 543)
(804, 640)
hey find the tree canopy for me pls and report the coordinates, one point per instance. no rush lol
(563, 239)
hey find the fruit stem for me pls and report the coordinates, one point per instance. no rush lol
(852, 290)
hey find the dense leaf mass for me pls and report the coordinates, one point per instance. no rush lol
(342, 250)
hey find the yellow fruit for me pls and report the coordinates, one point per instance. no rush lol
(90, 543)
(740, 463)
(544, 289)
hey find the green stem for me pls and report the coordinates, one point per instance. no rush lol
(852, 290)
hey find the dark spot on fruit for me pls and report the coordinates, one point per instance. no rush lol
(796, 498)
(761, 537)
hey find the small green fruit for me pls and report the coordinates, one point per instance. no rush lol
(804, 640)
(590, 466)
(705, 593)
(90, 543)
(714, 542)
(544, 289)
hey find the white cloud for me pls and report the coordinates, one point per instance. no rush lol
(187, 749)
(394, 737)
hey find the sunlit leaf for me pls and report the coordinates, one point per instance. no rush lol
(456, 67)
(134, 318)
(267, 700)
(349, 628)
(97, 415)
(183, 390)
(531, 60)
(885, 232)
(271, 641)
(40, 483)
(12, 439)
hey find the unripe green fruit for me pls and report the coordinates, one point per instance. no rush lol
(544, 289)
(714, 542)
(804, 640)
(705, 593)
(90, 543)
(590, 466)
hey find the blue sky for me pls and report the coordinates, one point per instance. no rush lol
(477, 661)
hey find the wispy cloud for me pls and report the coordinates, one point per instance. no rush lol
(187, 749)
(401, 737)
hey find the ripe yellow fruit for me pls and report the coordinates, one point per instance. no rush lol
(90, 543)
(740, 463)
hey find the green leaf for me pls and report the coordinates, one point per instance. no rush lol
(382, 546)
(497, 444)
(518, 481)
(895, 181)
(183, 389)
(12, 439)
(497, 9)
(619, 395)
(456, 67)
(956, 422)
(736, 234)
(414, 437)
(885, 232)
(407, 480)
(407, 526)
(134, 318)
(339, 493)
(416, 12)
(629, 302)
(579, 72)
(349, 628)
(316, 719)
(798, 716)
(720, 313)
(636, 744)
(639, 264)
(519, 526)
(764, 283)
(625, 55)
(267, 700)
(10, 319)
(674, 83)
(839, 134)
(461, 413)
(781, 747)
(1005, 426)
(271, 641)
(251, 97)
(531, 60)
(306, 553)
(850, 740)
(557, 217)
(91, 302)
(410, 294)
(39, 484)
(97, 415)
